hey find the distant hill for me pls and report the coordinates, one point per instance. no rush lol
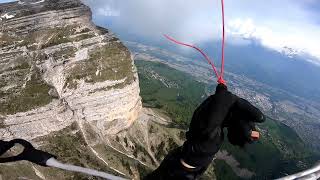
(289, 71)
(294, 74)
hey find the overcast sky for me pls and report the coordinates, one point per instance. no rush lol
(3, 1)
(276, 23)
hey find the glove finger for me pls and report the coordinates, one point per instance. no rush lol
(249, 111)
(247, 128)
(235, 137)
(240, 133)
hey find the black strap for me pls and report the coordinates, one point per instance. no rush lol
(5, 146)
(29, 153)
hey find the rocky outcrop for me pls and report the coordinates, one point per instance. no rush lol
(57, 67)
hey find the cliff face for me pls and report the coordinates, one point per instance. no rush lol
(57, 68)
(72, 90)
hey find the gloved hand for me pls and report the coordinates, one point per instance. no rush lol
(241, 122)
(205, 135)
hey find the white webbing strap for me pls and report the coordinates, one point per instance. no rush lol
(310, 174)
(54, 163)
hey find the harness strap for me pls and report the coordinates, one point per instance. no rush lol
(29, 153)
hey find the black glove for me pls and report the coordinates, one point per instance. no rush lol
(241, 122)
(205, 135)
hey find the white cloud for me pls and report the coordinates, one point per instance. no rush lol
(274, 23)
(295, 38)
(107, 11)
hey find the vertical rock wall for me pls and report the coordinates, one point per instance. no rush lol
(57, 67)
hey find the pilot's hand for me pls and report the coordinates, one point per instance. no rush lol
(241, 122)
(205, 135)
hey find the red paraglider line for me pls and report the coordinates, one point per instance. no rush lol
(198, 49)
(221, 80)
(219, 77)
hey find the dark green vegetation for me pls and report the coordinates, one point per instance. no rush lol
(280, 151)
(49, 36)
(172, 91)
(65, 53)
(66, 34)
(224, 171)
(34, 94)
(112, 62)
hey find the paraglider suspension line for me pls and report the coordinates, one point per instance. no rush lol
(219, 77)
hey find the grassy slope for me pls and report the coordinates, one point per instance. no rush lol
(279, 151)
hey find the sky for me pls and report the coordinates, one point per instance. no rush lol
(3, 1)
(275, 24)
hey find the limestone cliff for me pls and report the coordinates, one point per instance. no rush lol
(57, 67)
(71, 89)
